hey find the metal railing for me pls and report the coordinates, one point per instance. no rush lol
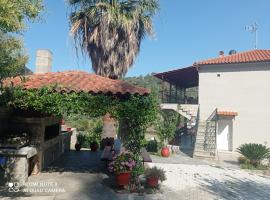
(210, 133)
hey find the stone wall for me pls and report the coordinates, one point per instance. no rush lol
(53, 149)
(16, 166)
(46, 151)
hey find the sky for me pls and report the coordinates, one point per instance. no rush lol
(186, 31)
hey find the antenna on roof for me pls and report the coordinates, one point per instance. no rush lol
(253, 28)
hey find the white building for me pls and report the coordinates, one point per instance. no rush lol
(233, 100)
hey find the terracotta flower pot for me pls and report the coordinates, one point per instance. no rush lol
(78, 146)
(152, 181)
(165, 152)
(94, 146)
(122, 179)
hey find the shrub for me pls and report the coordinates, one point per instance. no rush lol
(156, 173)
(243, 160)
(90, 129)
(152, 146)
(80, 138)
(254, 152)
(167, 125)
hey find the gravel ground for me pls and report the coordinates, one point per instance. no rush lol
(213, 182)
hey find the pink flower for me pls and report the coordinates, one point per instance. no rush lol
(133, 163)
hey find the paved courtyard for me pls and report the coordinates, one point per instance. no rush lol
(80, 175)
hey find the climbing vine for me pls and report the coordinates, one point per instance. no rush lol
(137, 111)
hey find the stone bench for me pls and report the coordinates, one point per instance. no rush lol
(145, 156)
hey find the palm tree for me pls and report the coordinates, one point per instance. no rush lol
(111, 31)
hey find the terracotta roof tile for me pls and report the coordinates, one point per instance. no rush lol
(227, 113)
(77, 81)
(242, 57)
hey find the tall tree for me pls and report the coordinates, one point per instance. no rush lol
(13, 17)
(14, 13)
(12, 58)
(111, 32)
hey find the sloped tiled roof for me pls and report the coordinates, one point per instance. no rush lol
(242, 57)
(227, 113)
(77, 81)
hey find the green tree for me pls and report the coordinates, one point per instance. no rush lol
(12, 58)
(14, 13)
(13, 17)
(111, 31)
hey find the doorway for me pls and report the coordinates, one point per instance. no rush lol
(224, 135)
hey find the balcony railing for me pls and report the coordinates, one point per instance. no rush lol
(179, 99)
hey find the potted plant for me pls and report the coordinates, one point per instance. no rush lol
(122, 166)
(166, 129)
(78, 145)
(153, 175)
(94, 146)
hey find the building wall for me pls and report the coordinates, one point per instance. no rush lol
(243, 88)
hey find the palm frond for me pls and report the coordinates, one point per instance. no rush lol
(111, 31)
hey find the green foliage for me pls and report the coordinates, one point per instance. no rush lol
(254, 152)
(14, 13)
(155, 172)
(147, 81)
(84, 123)
(137, 170)
(250, 166)
(90, 130)
(13, 17)
(12, 58)
(243, 160)
(167, 125)
(138, 111)
(81, 139)
(152, 146)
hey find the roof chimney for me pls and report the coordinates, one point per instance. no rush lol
(231, 52)
(43, 61)
(221, 53)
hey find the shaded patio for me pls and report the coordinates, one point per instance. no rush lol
(180, 85)
(89, 92)
(83, 161)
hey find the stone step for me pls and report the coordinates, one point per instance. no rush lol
(202, 154)
(200, 137)
(199, 146)
(200, 141)
(201, 132)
